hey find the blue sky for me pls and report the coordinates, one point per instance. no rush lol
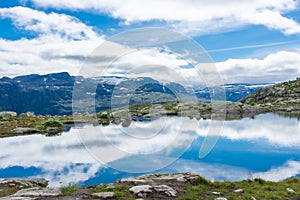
(257, 41)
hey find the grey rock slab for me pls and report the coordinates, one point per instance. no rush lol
(141, 189)
(25, 130)
(216, 193)
(104, 195)
(166, 189)
(238, 190)
(38, 192)
(290, 190)
(131, 180)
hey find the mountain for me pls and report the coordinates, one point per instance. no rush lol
(234, 92)
(280, 97)
(53, 93)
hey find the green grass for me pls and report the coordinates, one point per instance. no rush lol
(69, 190)
(121, 191)
(258, 188)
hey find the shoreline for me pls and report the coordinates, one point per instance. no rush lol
(153, 186)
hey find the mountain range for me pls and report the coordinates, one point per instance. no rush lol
(52, 94)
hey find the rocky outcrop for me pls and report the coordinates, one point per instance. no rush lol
(281, 97)
(153, 186)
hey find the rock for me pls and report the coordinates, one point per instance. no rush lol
(25, 130)
(104, 195)
(290, 190)
(53, 129)
(30, 114)
(7, 114)
(141, 189)
(166, 189)
(131, 180)
(216, 193)
(17, 198)
(28, 182)
(110, 187)
(38, 192)
(238, 190)
(32, 182)
(180, 177)
(220, 198)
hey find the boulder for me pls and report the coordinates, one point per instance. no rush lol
(238, 191)
(290, 190)
(104, 195)
(38, 192)
(25, 130)
(166, 189)
(53, 129)
(7, 114)
(141, 189)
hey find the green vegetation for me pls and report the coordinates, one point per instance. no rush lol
(49, 123)
(257, 188)
(121, 191)
(69, 190)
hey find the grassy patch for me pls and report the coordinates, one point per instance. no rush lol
(69, 190)
(258, 188)
(121, 191)
(49, 123)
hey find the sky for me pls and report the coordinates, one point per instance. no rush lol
(254, 41)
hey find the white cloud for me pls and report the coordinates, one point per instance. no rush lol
(196, 17)
(289, 169)
(61, 43)
(48, 24)
(277, 66)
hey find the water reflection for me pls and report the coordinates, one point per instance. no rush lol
(267, 146)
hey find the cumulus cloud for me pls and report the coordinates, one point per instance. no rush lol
(289, 169)
(61, 43)
(277, 66)
(197, 17)
(52, 23)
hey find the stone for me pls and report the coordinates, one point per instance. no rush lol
(30, 114)
(131, 180)
(216, 193)
(25, 130)
(141, 189)
(17, 198)
(220, 198)
(166, 189)
(53, 129)
(7, 114)
(290, 190)
(110, 187)
(238, 190)
(38, 192)
(104, 195)
(253, 198)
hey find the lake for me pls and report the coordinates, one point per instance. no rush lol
(266, 146)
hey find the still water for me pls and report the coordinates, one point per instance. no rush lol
(267, 146)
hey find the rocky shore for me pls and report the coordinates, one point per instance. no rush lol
(153, 186)
(28, 123)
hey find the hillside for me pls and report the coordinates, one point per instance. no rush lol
(280, 97)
